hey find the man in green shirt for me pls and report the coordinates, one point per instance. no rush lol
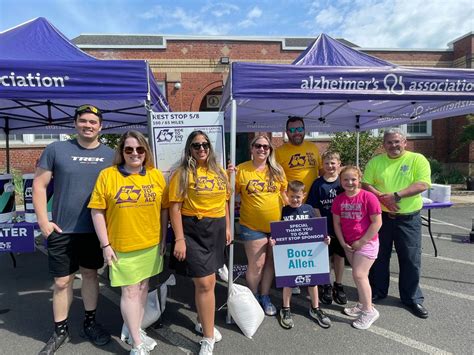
(398, 178)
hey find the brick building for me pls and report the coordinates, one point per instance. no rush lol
(192, 71)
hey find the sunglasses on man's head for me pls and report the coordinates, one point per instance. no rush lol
(296, 129)
(265, 147)
(88, 108)
(197, 146)
(129, 150)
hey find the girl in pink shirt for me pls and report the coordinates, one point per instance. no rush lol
(357, 220)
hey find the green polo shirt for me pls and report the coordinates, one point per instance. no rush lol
(389, 175)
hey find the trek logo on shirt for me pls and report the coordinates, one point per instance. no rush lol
(127, 194)
(257, 186)
(88, 160)
(299, 160)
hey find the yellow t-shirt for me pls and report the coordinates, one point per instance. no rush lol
(207, 198)
(132, 207)
(300, 162)
(392, 175)
(260, 203)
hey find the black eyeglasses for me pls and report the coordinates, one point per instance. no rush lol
(197, 146)
(296, 129)
(265, 147)
(130, 150)
(88, 108)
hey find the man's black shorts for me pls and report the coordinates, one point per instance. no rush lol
(66, 252)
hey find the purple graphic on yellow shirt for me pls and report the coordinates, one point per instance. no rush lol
(127, 194)
(257, 186)
(299, 160)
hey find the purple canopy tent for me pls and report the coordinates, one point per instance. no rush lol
(336, 88)
(44, 77)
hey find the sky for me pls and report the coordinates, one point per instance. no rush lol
(427, 24)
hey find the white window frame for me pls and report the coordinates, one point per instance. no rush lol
(428, 132)
(29, 139)
(162, 87)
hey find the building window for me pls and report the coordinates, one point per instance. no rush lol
(418, 129)
(46, 137)
(162, 87)
(13, 137)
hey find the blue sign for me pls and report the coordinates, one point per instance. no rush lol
(17, 238)
(300, 255)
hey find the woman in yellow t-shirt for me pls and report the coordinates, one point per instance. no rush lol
(199, 212)
(262, 184)
(131, 225)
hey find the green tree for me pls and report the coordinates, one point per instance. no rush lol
(346, 144)
(110, 139)
(467, 135)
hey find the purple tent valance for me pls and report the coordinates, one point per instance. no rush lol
(332, 97)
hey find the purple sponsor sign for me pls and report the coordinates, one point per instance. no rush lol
(300, 254)
(17, 238)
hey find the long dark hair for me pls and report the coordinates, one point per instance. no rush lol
(189, 165)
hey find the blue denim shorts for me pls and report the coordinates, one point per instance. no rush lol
(247, 234)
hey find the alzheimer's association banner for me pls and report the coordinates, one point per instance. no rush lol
(171, 129)
(300, 255)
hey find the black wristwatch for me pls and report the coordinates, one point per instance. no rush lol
(398, 198)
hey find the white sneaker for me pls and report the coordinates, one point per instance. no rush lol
(366, 319)
(353, 311)
(223, 273)
(217, 334)
(140, 350)
(149, 342)
(207, 346)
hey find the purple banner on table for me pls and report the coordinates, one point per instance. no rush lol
(17, 238)
(300, 254)
(299, 231)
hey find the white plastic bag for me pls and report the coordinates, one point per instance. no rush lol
(245, 309)
(155, 306)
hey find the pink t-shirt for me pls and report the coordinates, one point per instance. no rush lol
(355, 213)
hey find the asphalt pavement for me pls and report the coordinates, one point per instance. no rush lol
(447, 282)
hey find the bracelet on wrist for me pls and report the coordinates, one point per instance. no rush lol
(178, 239)
(105, 246)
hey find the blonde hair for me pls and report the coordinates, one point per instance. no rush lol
(189, 165)
(275, 171)
(328, 154)
(353, 168)
(142, 141)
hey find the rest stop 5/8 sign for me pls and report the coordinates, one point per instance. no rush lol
(300, 255)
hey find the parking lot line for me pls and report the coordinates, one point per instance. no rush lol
(412, 343)
(438, 221)
(441, 290)
(406, 341)
(465, 262)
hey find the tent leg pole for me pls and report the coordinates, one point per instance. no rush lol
(151, 139)
(233, 138)
(357, 148)
(7, 144)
